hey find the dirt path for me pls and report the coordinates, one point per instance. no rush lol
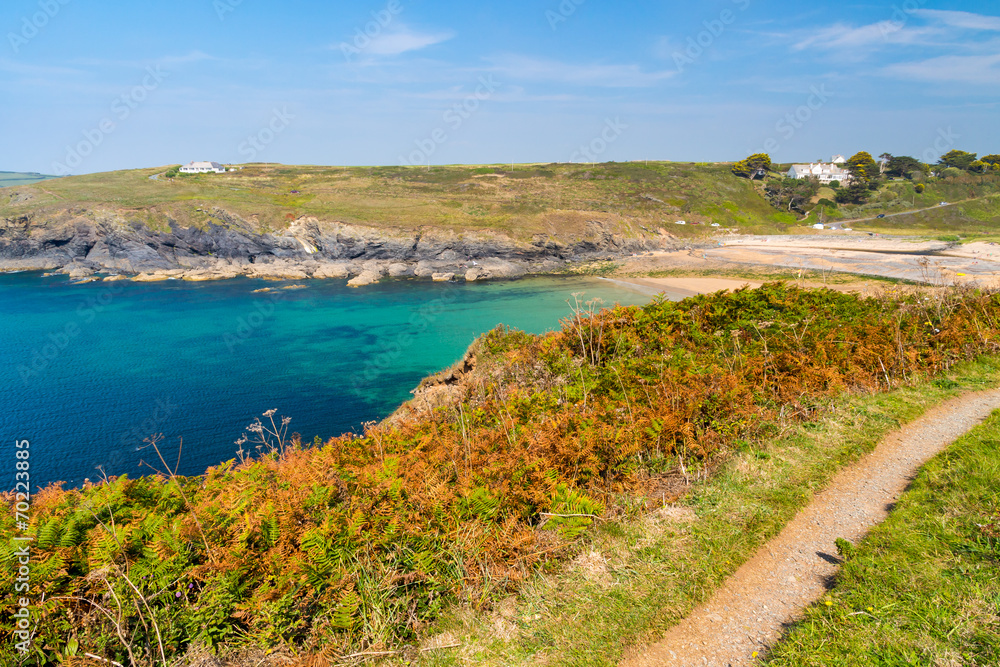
(748, 612)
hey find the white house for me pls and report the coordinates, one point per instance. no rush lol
(202, 168)
(824, 173)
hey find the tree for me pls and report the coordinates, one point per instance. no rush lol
(992, 160)
(957, 159)
(904, 166)
(791, 194)
(751, 166)
(855, 193)
(979, 166)
(919, 188)
(883, 161)
(863, 167)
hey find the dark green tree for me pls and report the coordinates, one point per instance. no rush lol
(957, 159)
(855, 193)
(791, 194)
(904, 166)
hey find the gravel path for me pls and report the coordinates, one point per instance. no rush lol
(769, 591)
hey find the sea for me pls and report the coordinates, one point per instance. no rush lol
(90, 372)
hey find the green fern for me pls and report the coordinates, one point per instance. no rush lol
(569, 501)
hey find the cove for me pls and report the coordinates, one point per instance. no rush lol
(89, 371)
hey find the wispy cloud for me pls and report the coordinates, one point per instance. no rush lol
(979, 70)
(964, 20)
(941, 28)
(398, 39)
(847, 38)
(524, 68)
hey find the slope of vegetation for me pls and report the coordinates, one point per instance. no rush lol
(530, 199)
(359, 543)
(922, 589)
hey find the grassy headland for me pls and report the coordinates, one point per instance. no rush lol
(557, 199)
(530, 199)
(361, 543)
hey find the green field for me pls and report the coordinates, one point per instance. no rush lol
(12, 178)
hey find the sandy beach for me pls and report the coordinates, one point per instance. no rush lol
(928, 262)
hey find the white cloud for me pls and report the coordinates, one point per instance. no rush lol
(844, 38)
(965, 20)
(609, 76)
(979, 70)
(400, 39)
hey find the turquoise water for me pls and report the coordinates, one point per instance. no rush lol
(91, 370)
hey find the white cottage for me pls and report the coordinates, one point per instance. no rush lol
(202, 168)
(824, 173)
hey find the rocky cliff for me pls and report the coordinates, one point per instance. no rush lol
(82, 242)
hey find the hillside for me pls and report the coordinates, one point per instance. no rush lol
(13, 178)
(297, 222)
(369, 222)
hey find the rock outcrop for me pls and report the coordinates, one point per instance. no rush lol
(82, 242)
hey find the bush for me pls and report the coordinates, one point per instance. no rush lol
(919, 188)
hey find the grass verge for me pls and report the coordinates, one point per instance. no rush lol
(639, 574)
(922, 589)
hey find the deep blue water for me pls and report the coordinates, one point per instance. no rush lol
(88, 371)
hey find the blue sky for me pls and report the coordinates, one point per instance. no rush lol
(91, 86)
